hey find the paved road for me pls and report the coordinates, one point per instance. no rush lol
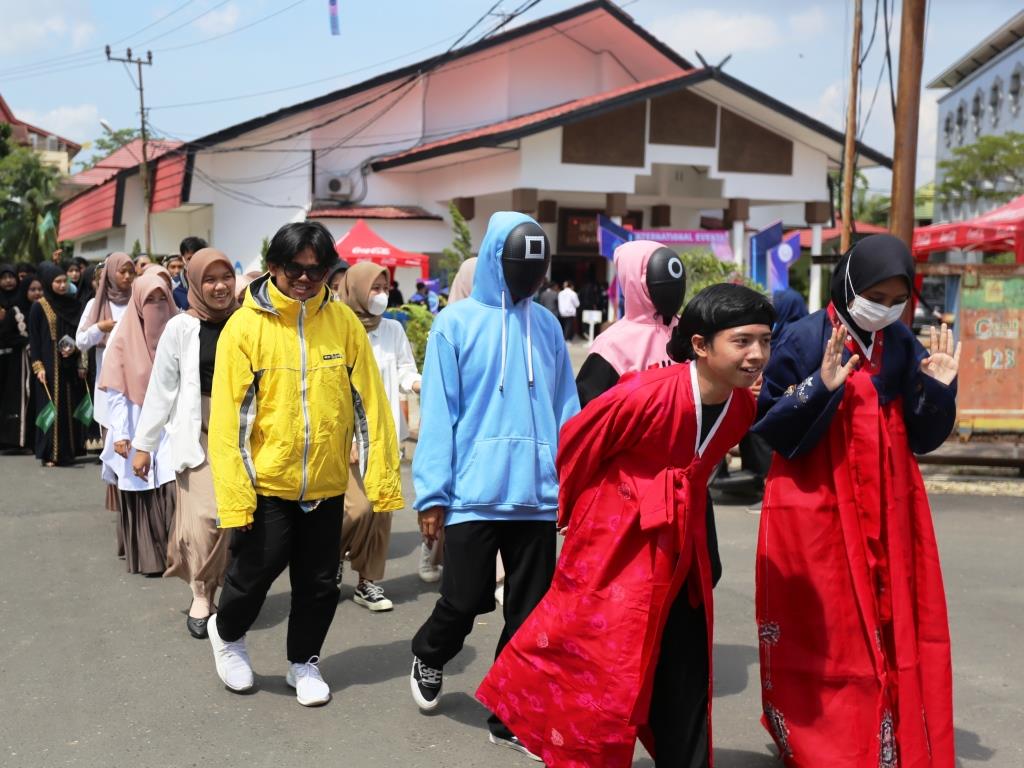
(96, 668)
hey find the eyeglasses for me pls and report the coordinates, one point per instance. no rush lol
(315, 272)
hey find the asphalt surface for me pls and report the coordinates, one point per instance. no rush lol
(97, 670)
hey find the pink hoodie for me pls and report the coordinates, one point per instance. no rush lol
(637, 341)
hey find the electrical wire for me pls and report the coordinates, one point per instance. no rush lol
(888, 54)
(85, 55)
(231, 32)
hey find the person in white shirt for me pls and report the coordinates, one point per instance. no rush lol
(365, 533)
(178, 401)
(568, 303)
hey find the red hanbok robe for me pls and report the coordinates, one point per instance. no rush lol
(574, 683)
(854, 639)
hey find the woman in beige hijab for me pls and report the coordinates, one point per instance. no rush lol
(178, 397)
(365, 533)
(147, 504)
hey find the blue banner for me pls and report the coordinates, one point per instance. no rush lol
(760, 243)
(610, 236)
(780, 259)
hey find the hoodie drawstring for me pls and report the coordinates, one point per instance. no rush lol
(504, 344)
(529, 344)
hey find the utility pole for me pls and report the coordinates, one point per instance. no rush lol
(849, 165)
(908, 99)
(144, 165)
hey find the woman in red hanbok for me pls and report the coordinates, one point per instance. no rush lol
(854, 639)
(575, 683)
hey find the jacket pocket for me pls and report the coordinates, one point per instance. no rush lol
(507, 471)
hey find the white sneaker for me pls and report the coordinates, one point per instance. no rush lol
(310, 688)
(499, 593)
(428, 571)
(232, 660)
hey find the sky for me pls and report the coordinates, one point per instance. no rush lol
(219, 62)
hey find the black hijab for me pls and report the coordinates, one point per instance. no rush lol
(66, 307)
(869, 262)
(85, 289)
(8, 298)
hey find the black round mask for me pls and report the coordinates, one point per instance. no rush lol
(524, 259)
(666, 283)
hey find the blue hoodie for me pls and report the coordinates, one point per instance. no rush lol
(497, 388)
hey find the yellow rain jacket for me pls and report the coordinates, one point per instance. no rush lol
(294, 383)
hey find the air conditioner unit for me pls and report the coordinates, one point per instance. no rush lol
(339, 187)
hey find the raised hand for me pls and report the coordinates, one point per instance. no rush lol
(833, 372)
(943, 361)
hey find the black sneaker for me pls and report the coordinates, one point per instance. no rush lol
(425, 683)
(512, 742)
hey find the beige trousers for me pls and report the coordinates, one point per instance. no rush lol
(365, 534)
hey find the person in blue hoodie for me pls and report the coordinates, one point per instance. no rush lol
(497, 388)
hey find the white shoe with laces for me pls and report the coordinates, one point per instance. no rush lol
(310, 688)
(231, 658)
(427, 570)
(371, 596)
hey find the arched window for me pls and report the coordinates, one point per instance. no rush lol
(947, 129)
(977, 111)
(1013, 90)
(995, 101)
(961, 122)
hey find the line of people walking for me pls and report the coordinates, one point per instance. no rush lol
(248, 436)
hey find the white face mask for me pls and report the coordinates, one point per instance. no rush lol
(378, 304)
(871, 316)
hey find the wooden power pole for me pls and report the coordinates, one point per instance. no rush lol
(849, 149)
(144, 165)
(908, 101)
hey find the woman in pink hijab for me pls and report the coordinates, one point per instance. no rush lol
(178, 399)
(147, 505)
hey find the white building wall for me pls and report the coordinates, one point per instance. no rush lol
(1004, 118)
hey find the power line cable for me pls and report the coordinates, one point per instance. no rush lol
(231, 32)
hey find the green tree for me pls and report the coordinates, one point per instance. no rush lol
(703, 268)
(417, 329)
(264, 249)
(136, 249)
(992, 168)
(108, 144)
(29, 209)
(462, 244)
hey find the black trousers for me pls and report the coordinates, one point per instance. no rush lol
(569, 327)
(678, 716)
(467, 585)
(282, 535)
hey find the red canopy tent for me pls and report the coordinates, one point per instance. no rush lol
(363, 244)
(998, 230)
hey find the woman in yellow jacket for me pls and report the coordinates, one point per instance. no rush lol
(295, 382)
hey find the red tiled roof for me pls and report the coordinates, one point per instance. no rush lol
(7, 116)
(373, 212)
(831, 233)
(168, 180)
(89, 212)
(128, 156)
(532, 122)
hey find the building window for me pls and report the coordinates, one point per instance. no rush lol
(961, 122)
(1013, 90)
(995, 101)
(947, 129)
(977, 111)
(51, 143)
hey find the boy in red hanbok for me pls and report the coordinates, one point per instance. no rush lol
(599, 662)
(855, 659)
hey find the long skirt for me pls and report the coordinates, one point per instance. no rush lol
(146, 519)
(14, 397)
(198, 553)
(365, 534)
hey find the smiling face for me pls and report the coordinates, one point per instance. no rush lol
(888, 293)
(336, 280)
(218, 286)
(293, 279)
(736, 356)
(35, 290)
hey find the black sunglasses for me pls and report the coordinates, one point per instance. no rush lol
(315, 272)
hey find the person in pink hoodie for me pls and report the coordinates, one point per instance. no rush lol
(653, 281)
